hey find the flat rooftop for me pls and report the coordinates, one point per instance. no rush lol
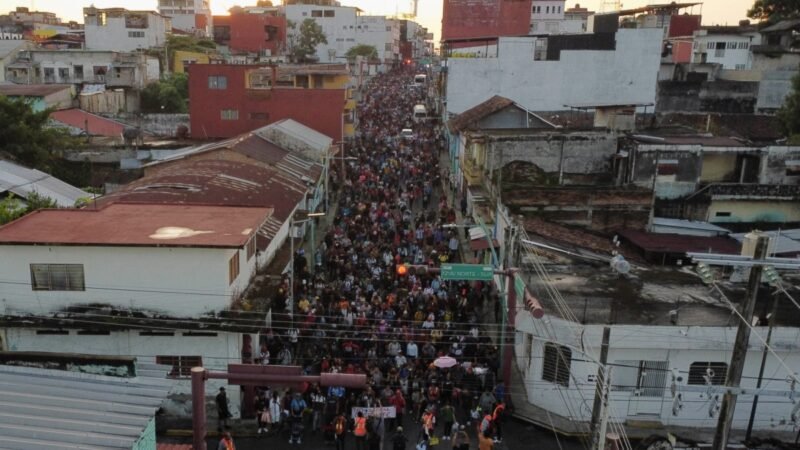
(131, 225)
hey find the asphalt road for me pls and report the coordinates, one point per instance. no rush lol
(517, 436)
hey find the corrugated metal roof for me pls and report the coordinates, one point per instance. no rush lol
(44, 408)
(21, 181)
(689, 225)
(133, 225)
(315, 140)
(219, 182)
(32, 90)
(676, 243)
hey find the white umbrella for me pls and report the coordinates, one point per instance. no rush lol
(444, 362)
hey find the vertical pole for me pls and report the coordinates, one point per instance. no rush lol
(198, 408)
(603, 426)
(734, 375)
(600, 383)
(763, 365)
(290, 303)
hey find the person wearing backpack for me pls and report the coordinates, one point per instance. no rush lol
(399, 440)
(297, 407)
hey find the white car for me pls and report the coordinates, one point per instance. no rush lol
(407, 134)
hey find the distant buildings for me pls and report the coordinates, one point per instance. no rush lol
(121, 30)
(261, 34)
(191, 16)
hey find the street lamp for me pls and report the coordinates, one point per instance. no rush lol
(292, 223)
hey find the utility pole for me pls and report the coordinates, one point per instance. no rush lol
(599, 389)
(736, 367)
(600, 443)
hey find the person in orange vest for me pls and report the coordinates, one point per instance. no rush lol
(226, 443)
(339, 430)
(497, 420)
(360, 430)
(428, 424)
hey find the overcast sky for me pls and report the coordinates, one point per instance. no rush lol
(716, 12)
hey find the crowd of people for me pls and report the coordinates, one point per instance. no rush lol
(353, 312)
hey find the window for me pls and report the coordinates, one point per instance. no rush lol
(251, 246)
(559, 10)
(711, 45)
(57, 277)
(259, 116)
(646, 378)
(732, 45)
(667, 167)
(94, 333)
(719, 52)
(330, 13)
(218, 82)
(722, 214)
(740, 67)
(52, 332)
(233, 267)
(229, 114)
(716, 370)
(388, 28)
(135, 34)
(557, 360)
(156, 333)
(547, 10)
(181, 365)
(200, 334)
(744, 45)
(316, 13)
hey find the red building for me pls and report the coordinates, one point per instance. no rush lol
(226, 100)
(470, 19)
(251, 33)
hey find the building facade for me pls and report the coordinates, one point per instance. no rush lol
(727, 46)
(471, 19)
(338, 23)
(121, 30)
(260, 34)
(191, 16)
(226, 100)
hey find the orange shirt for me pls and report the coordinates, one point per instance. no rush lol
(361, 426)
(484, 443)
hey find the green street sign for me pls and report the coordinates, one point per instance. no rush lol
(519, 287)
(472, 272)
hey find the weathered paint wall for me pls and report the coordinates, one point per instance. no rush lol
(626, 75)
(714, 96)
(734, 210)
(217, 352)
(774, 88)
(462, 19)
(773, 167)
(718, 167)
(180, 282)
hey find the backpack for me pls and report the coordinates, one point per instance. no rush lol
(399, 442)
(297, 406)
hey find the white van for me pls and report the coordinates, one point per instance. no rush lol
(420, 113)
(420, 80)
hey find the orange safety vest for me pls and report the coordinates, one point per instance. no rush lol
(428, 421)
(361, 426)
(229, 444)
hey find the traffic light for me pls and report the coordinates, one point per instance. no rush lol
(411, 269)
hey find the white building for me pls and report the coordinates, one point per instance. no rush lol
(122, 30)
(338, 23)
(728, 46)
(576, 19)
(383, 34)
(539, 78)
(547, 16)
(163, 267)
(191, 16)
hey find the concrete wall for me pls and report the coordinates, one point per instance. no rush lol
(340, 30)
(12, 56)
(753, 211)
(774, 88)
(115, 36)
(106, 102)
(773, 166)
(163, 125)
(626, 75)
(381, 33)
(217, 351)
(737, 58)
(679, 346)
(188, 281)
(716, 96)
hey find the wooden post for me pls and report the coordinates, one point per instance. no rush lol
(599, 387)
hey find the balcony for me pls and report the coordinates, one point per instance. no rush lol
(123, 79)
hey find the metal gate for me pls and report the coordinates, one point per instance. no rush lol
(649, 393)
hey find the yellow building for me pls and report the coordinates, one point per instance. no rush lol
(324, 76)
(182, 58)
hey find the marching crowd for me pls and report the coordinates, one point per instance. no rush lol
(431, 369)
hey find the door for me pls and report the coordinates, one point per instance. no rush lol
(651, 383)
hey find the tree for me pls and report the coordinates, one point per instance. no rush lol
(789, 114)
(367, 51)
(264, 3)
(303, 43)
(26, 137)
(774, 10)
(170, 95)
(12, 208)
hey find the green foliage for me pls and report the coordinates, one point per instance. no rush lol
(774, 10)
(181, 42)
(303, 42)
(169, 95)
(25, 137)
(789, 114)
(367, 51)
(12, 208)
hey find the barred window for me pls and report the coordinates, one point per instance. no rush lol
(181, 365)
(233, 268)
(557, 360)
(57, 277)
(218, 82)
(698, 371)
(251, 248)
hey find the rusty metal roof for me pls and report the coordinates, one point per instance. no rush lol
(478, 112)
(138, 225)
(221, 183)
(679, 244)
(32, 90)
